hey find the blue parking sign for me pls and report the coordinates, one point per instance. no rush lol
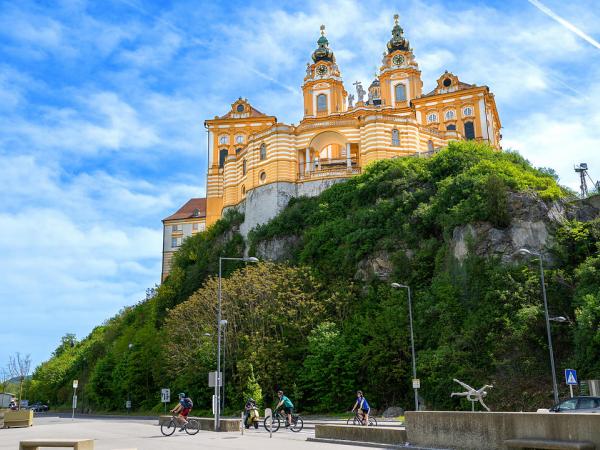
(571, 376)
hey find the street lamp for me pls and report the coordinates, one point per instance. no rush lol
(128, 404)
(412, 341)
(224, 326)
(250, 259)
(529, 253)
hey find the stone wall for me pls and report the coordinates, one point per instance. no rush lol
(488, 431)
(265, 202)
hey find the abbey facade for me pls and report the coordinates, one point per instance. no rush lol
(256, 163)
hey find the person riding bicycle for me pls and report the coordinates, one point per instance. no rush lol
(248, 408)
(287, 406)
(183, 409)
(362, 407)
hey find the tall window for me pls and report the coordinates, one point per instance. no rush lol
(321, 102)
(244, 167)
(222, 156)
(430, 145)
(395, 138)
(263, 152)
(469, 130)
(400, 92)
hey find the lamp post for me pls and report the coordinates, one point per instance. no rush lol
(224, 326)
(218, 382)
(128, 403)
(525, 252)
(412, 341)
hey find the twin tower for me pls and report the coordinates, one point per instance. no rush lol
(256, 164)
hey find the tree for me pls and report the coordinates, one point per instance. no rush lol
(19, 367)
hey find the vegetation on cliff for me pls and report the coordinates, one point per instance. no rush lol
(321, 325)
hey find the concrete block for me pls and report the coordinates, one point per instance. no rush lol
(488, 431)
(22, 418)
(378, 435)
(208, 423)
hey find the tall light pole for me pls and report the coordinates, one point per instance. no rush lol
(224, 326)
(128, 404)
(525, 252)
(218, 380)
(412, 341)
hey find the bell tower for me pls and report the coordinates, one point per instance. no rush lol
(323, 90)
(399, 74)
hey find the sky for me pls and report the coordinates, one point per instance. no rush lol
(102, 105)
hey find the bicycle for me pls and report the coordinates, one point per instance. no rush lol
(191, 427)
(275, 422)
(358, 420)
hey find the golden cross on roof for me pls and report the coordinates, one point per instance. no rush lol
(396, 17)
(322, 30)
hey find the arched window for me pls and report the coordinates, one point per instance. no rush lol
(321, 102)
(469, 130)
(224, 139)
(243, 190)
(222, 156)
(431, 117)
(395, 137)
(451, 127)
(239, 139)
(450, 115)
(263, 151)
(429, 145)
(467, 111)
(244, 167)
(400, 91)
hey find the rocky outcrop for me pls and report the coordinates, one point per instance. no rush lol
(378, 265)
(277, 249)
(532, 225)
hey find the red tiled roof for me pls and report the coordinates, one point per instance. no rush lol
(187, 210)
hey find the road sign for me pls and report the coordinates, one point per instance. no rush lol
(128, 404)
(165, 395)
(211, 379)
(75, 384)
(416, 383)
(74, 402)
(571, 377)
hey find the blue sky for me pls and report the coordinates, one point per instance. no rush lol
(102, 107)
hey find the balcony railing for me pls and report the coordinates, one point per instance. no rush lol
(325, 168)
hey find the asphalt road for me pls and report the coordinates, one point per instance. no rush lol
(140, 434)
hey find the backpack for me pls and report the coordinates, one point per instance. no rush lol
(188, 403)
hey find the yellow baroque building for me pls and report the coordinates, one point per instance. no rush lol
(256, 164)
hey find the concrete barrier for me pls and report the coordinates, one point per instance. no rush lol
(376, 435)
(22, 418)
(488, 431)
(208, 423)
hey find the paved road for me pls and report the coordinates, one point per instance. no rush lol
(120, 434)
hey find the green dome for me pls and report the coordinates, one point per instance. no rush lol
(323, 52)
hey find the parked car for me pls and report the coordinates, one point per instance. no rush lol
(38, 407)
(585, 404)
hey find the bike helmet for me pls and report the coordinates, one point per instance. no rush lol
(181, 394)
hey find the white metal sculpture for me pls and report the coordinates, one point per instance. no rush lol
(473, 395)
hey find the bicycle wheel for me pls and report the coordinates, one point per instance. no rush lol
(192, 427)
(273, 422)
(168, 428)
(297, 424)
(372, 422)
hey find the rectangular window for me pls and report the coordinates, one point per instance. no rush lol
(175, 228)
(195, 226)
(321, 102)
(400, 92)
(175, 242)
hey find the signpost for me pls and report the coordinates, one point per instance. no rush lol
(75, 384)
(416, 383)
(165, 397)
(128, 405)
(269, 415)
(571, 379)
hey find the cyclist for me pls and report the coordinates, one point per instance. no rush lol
(362, 407)
(182, 410)
(287, 406)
